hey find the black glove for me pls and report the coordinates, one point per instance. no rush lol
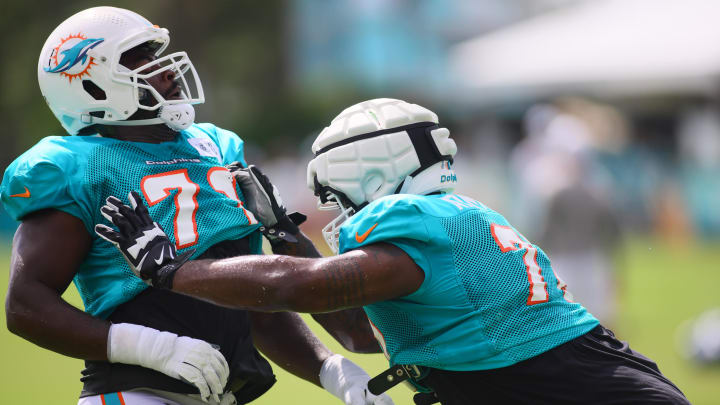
(143, 243)
(263, 200)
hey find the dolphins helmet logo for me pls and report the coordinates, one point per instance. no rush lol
(70, 58)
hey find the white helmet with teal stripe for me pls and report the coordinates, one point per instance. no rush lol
(377, 148)
(83, 82)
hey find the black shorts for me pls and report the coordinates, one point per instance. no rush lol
(594, 368)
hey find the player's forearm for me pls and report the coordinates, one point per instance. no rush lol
(273, 283)
(266, 283)
(42, 317)
(351, 328)
(288, 342)
(284, 283)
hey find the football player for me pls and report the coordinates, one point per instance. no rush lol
(130, 108)
(459, 300)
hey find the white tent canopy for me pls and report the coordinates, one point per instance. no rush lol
(601, 47)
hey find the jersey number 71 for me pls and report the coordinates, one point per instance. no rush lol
(509, 240)
(157, 187)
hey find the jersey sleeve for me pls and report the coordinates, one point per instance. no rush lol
(231, 146)
(384, 220)
(32, 184)
(395, 220)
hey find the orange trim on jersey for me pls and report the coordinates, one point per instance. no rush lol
(522, 244)
(223, 169)
(497, 240)
(177, 203)
(542, 279)
(361, 238)
(194, 213)
(234, 187)
(120, 397)
(561, 285)
(102, 399)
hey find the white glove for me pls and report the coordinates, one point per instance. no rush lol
(191, 360)
(347, 381)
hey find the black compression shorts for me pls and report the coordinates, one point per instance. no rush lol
(594, 368)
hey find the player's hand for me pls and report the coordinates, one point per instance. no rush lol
(263, 199)
(143, 243)
(191, 360)
(197, 363)
(347, 381)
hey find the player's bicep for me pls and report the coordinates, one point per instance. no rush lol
(368, 274)
(48, 247)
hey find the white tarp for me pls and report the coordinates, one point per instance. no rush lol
(601, 47)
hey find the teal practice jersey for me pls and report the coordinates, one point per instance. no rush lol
(489, 299)
(188, 190)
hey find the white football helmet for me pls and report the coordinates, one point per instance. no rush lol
(377, 148)
(82, 55)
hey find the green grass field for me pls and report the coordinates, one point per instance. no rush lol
(662, 286)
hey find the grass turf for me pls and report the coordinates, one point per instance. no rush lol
(662, 286)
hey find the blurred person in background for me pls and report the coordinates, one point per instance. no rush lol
(131, 116)
(558, 166)
(461, 303)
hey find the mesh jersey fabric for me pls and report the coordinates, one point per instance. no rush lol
(183, 182)
(472, 311)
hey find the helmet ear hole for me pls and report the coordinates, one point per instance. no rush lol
(93, 90)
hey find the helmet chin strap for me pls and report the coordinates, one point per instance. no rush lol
(176, 116)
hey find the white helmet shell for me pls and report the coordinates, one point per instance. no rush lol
(83, 54)
(377, 148)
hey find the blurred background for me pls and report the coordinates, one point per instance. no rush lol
(593, 126)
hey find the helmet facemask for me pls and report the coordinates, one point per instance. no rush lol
(330, 199)
(331, 231)
(176, 113)
(179, 64)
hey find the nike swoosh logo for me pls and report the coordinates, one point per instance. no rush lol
(26, 194)
(160, 260)
(361, 238)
